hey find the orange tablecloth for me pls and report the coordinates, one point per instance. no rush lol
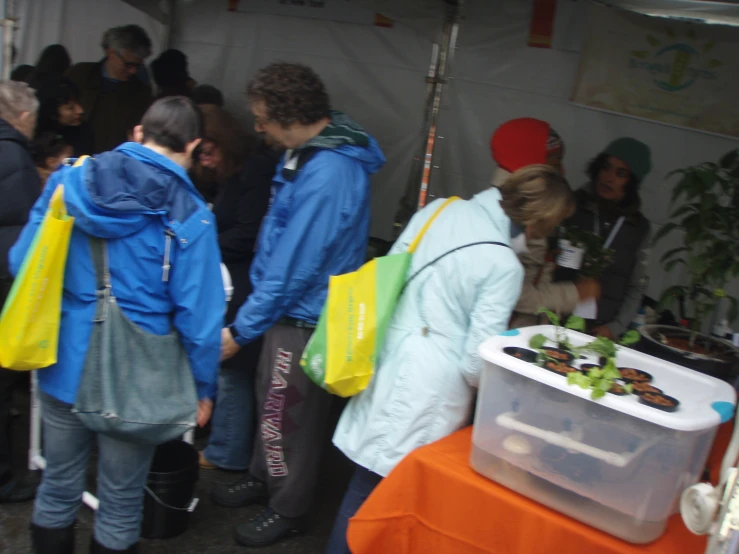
(435, 503)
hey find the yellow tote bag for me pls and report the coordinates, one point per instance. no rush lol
(29, 323)
(340, 356)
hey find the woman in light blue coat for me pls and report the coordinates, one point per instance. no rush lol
(429, 368)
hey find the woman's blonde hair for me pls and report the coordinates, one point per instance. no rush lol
(537, 197)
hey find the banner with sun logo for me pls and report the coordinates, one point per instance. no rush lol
(678, 73)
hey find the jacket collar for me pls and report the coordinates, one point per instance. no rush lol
(142, 153)
(8, 132)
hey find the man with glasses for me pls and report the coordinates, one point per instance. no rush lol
(112, 91)
(317, 226)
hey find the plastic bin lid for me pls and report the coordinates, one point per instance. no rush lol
(705, 401)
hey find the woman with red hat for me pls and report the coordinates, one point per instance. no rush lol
(516, 144)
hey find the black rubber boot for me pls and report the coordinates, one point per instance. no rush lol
(97, 548)
(52, 541)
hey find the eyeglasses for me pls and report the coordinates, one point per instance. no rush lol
(129, 65)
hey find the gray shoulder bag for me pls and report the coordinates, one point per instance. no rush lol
(136, 386)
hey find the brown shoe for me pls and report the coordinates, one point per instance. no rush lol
(204, 463)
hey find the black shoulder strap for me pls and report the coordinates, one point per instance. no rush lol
(432, 262)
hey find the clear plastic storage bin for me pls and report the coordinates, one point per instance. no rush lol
(614, 463)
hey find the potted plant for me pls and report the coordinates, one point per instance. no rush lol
(599, 379)
(705, 211)
(606, 378)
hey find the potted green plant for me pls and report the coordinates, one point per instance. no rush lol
(705, 212)
(608, 378)
(600, 379)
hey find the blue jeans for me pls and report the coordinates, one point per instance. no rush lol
(361, 486)
(232, 434)
(122, 471)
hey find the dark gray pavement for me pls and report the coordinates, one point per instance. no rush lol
(211, 527)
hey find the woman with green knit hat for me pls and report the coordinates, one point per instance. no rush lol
(610, 206)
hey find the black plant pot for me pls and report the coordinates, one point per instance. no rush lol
(722, 362)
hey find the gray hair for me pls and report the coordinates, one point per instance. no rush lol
(128, 37)
(15, 98)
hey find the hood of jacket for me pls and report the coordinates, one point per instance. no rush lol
(8, 132)
(370, 157)
(116, 193)
(342, 135)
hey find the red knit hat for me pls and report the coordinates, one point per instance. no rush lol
(524, 141)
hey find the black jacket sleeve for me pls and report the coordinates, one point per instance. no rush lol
(240, 240)
(20, 186)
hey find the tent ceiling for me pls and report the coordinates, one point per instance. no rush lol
(700, 11)
(158, 9)
(722, 12)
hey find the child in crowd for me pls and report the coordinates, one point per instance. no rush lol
(50, 150)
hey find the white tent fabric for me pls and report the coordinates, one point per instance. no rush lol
(376, 75)
(723, 12)
(497, 77)
(77, 24)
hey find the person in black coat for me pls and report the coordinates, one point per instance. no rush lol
(610, 206)
(242, 199)
(19, 188)
(53, 59)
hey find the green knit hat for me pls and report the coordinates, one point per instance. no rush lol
(635, 154)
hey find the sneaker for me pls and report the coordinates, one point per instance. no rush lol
(241, 493)
(267, 527)
(19, 490)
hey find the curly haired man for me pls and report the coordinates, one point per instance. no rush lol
(317, 226)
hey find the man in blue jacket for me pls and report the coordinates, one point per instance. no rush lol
(317, 226)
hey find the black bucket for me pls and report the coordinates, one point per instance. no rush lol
(169, 490)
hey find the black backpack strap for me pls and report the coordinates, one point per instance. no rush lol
(445, 254)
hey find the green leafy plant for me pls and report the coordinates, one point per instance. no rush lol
(600, 380)
(574, 322)
(596, 258)
(705, 211)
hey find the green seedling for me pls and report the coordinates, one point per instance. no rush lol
(598, 380)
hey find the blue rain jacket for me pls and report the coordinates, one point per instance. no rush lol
(317, 226)
(130, 197)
